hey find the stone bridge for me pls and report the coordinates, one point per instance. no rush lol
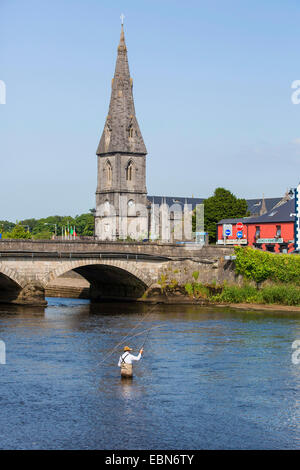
(115, 270)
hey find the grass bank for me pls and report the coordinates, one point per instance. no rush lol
(280, 294)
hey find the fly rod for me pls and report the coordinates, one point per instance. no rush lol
(123, 339)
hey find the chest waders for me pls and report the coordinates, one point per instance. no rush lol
(126, 369)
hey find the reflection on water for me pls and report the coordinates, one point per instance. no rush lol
(209, 378)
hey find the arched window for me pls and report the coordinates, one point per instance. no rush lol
(130, 131)
(106, 208)
(129, 171)
(131, 207)
(108, 171)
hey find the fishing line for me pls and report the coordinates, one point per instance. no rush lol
(124, 337)
(145, 331)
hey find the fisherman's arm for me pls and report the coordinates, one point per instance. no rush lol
(138, 357)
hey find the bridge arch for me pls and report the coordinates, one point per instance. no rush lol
(126, 266)
(109, 279)
(12, 276)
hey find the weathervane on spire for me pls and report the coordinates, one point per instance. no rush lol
(122, 19)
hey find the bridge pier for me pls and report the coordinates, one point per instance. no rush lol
(33, 293)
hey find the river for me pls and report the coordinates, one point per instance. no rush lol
(210, 378)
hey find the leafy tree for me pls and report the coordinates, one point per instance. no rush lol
(45, 235)
(85, 224)
(31, 223)
(18, 232)
(222, 205)
(6, 226)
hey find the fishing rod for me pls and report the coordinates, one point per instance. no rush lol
(146, 338)
(145, 331)
(124, 337)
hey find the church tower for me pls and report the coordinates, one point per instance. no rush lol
(121, 195)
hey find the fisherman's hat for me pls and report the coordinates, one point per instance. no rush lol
(127, 348)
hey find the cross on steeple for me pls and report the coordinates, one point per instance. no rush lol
(122, 19)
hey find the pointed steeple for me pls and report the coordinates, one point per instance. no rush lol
(263, 209)
(121, 132)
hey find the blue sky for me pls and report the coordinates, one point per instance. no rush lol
(212, 88)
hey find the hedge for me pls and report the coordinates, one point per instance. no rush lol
(258, 266)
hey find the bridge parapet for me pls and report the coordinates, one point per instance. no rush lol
(163, 250)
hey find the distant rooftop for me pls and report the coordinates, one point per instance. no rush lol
(281, 213)
(254, 205)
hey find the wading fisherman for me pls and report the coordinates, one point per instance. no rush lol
(125, 361)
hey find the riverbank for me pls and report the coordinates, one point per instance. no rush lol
(239, 306)
(269, 307)
(72, 285)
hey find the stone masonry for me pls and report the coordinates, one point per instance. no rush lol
(114, 271)
(121, 195)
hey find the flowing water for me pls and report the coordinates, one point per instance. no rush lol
(210, 378)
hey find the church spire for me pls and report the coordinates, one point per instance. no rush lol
(263, 209)
(121, 132)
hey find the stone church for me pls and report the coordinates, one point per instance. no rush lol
(121, 196)
(122, 207)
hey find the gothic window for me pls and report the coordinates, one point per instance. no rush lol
(107, 133)
(129, 171)
(130, 132)
(108, 171)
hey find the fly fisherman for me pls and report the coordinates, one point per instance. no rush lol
(125, 361)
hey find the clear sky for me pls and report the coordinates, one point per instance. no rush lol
(212, 88)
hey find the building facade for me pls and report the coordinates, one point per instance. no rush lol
(273, 231)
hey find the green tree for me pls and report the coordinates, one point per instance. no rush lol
(44, 235)
(18, 232)
(6, 226)
(222, 205)
(85, 224)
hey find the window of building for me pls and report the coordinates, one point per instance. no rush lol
(129, 171)
(131, 207)
(278, 231)
(257, 231)
(130, 131)
(106, 208)
(108, 170)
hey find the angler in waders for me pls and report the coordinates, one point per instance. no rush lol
(125, 361)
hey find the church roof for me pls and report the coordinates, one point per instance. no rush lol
(121, 130)
(254, 205)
